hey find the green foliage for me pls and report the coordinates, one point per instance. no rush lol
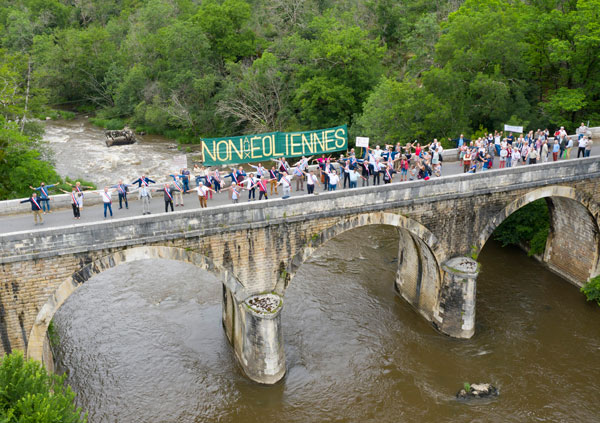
(112, 124)
(467, 387)
(529, 225)
(53, 336)
(21, 162)
(28, 394)
(392, 70)
(592, 290)
(404, 112)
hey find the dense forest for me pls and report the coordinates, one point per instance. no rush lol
(391, 70)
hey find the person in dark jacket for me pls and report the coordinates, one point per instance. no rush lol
(36, 208)
(168, 196)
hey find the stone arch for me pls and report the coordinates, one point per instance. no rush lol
(567, 205)
(35, 345)
(367, 219)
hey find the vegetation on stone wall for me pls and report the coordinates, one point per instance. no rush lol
(28, 394)
(592, 290)
(527, 226)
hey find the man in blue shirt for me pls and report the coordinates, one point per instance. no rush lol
(44, 198)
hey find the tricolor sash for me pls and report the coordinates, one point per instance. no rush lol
(73, 198)
(144, 182)
(178, 187)
(286, 180)
(44, 191)
(262, 184)
(168, 194)
(78, 190)
(36, 203)
(387, 171)
(121, 189)
(107, 196)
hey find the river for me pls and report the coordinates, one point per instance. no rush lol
(143, 342)
(79, 151)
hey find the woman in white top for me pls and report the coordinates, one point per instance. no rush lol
(333, 180)
(311, 180)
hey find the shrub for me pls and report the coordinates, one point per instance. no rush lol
(29, 394)
(592, 290)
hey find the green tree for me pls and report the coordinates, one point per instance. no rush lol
(529, 226)
(21, 162)
(28, 394)
(336, 66)
(404, 111)
(226, 26)
(257, 95)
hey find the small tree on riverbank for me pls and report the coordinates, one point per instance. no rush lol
(28, 394)
(592, 290)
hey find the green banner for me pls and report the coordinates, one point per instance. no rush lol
(262, 147)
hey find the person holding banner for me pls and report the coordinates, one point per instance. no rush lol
(122, 190)
(74, 202)
(36, 208)
(168, 196)
(44, 198)
(106, 199)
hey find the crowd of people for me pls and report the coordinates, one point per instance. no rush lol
(530, 148)
(375, 165)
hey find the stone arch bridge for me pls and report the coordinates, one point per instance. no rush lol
(258, 247)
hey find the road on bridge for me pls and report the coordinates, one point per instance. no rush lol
(94, 213)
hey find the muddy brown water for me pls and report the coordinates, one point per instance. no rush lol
(143, 342)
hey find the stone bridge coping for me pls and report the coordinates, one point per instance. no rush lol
(27, 245)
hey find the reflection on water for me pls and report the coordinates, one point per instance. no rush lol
(144, 342)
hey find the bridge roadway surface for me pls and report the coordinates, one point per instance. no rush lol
(94, 213)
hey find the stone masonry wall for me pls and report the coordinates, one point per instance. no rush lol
(261, 243)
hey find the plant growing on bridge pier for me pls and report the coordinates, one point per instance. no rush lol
(29, 394)
(592, 289)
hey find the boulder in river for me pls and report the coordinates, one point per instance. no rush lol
(477, 390)
(123, 137)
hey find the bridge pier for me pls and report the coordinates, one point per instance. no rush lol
(456, 313)
(255, 335)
